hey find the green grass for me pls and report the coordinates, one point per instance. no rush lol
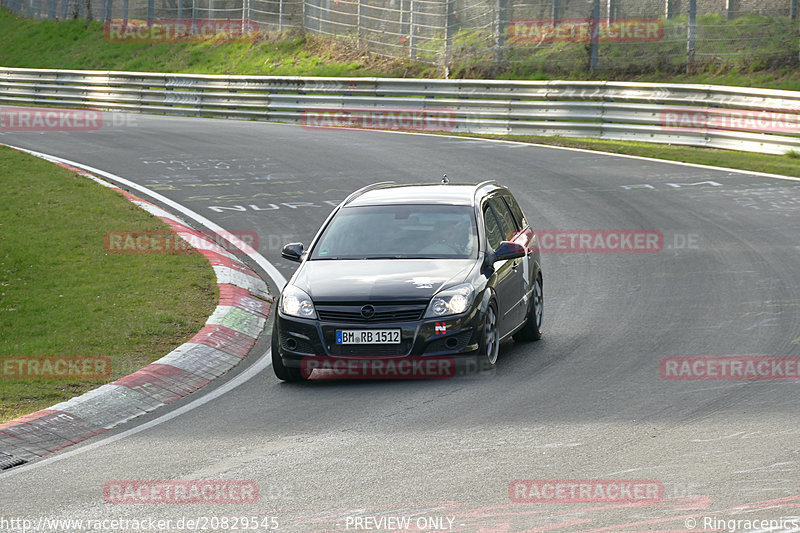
(62, 294)
(74, 44)
(788, 165)
(767, 54)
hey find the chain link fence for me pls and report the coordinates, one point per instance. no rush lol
(520, 37)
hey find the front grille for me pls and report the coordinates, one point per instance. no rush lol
(383, 313)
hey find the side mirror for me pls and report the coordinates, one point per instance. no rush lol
(292, 251)
(505, 250)
(508, 250)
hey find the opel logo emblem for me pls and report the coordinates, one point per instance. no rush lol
(367, 311)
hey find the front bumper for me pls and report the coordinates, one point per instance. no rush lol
(308, 343)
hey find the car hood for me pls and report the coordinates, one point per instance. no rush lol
(379, 279)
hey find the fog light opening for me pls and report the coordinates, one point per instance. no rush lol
(451, 343)
(291, 344)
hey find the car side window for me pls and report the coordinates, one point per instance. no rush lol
(494, 235)
(516, 210)
(508, 225)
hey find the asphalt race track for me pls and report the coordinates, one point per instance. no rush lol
(587, 402)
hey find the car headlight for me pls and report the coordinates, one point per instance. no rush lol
(452, 301)
(295, 302)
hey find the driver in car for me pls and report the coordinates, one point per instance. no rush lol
(450, 238)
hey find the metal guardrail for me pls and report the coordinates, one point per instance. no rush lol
(737, 118)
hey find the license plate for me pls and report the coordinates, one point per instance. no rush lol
(367, 336)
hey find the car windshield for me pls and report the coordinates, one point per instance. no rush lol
(400, 232)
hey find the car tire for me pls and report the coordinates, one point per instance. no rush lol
(489, 346)
(283, 372)
(532, 330)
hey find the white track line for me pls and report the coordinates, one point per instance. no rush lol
(260, 364)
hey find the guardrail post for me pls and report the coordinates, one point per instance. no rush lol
(150, 11)
(594, 36)
(729, 9)
(500, 29)
(691, 34)
(556, 12)
(669, 9)
(180, 10)
(793, 9)
(280, 14)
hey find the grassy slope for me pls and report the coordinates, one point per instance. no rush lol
(62, 294)
(75, 45)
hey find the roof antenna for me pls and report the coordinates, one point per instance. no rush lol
(445, 181)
